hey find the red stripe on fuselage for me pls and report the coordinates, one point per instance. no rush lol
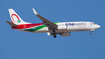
(24, 26)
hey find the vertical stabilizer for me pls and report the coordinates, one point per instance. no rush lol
(15, 17)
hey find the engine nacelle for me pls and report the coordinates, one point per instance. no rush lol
(48, 33)
(66, 34)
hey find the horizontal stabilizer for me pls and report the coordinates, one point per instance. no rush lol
(11, 24)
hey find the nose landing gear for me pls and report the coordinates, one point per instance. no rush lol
(90, 32)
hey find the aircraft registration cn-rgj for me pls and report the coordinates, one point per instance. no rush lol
(52, 29)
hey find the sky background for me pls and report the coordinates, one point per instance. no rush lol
(16, 44)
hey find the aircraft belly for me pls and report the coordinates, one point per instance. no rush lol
(76, 28)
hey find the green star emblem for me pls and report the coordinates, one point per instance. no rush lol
(19, 21)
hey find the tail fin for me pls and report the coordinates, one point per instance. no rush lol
(15, 18)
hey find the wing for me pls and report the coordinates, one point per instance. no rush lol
(48, 23)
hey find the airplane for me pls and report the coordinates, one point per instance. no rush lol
(52, 29)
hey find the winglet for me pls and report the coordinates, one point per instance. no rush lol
(34, 11)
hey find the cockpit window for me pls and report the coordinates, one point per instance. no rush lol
(94, 24)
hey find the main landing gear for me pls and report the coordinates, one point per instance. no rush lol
(54, 36)
(53, 33)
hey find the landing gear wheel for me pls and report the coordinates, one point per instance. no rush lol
(55, 36)
(53, 33)
(90, 32)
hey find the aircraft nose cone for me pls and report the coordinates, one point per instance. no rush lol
(99, 26)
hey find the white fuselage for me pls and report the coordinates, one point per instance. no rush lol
(72, 26)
